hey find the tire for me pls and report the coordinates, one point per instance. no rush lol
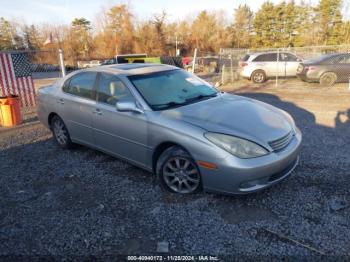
(258, 76)
(178, 172)
(328, 79)
(60, 133)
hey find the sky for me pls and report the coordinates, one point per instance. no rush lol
(64, 11)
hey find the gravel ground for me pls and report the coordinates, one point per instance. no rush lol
(55, 202)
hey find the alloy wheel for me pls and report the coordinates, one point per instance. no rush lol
(60, 132)
(258, 77)
(181, 175)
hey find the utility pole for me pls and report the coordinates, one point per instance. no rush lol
(277, 65)
(194, 60)
(176, 53)
(63, 68)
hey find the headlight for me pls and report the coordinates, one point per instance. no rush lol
(236, 146)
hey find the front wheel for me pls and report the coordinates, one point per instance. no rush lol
(61, 133)
(178, 172)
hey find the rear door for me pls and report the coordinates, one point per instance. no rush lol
(120, 133)
(269, 63)
(75, 106)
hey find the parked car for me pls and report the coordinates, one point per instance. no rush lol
(88, 64)
(172, 123)
(120, 59)
(327, 69)
(258, 67)
(111, 61)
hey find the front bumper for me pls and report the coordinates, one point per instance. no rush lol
(242, 176)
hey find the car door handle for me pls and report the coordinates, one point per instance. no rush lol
(97, 112)
(60, 101)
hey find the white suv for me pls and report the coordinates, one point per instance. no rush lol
(258, 67)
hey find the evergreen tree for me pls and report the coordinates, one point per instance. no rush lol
(330, 21)
(120, 23)
(81, 37)
(291, 24)
(9, 39)
(242, 26)
(265, 26)
(204, 30)
(159, 27)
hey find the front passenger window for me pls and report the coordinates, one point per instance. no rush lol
(345, 60)
(288, 57)
(111, 90)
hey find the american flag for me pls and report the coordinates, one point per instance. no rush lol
(16, 77)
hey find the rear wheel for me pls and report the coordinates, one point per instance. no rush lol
(328, 79)
(258, 76)
(61, 133)
(178, 172)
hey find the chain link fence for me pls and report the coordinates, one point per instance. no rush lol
(322, 66)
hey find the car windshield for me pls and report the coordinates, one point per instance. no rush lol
(167, 89)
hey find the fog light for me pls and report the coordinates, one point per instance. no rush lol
(253, 183)
(249, 184)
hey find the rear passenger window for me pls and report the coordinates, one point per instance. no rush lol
(272, 57)
(81, 85)
(111, 90)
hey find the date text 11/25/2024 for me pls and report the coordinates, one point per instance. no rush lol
(172, 258)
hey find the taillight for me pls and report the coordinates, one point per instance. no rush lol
(243, 64)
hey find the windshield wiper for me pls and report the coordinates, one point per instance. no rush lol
(169, 104)
(199, 97)
(187, 101)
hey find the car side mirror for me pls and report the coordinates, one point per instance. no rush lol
(128, 106)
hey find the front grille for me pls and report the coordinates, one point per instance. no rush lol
(279, 144)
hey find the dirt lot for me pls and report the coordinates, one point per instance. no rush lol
(82, 202)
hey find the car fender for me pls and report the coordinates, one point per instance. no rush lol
(186, 135)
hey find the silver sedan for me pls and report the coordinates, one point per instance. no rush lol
(174, 124)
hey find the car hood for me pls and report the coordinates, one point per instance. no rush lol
(236, 115)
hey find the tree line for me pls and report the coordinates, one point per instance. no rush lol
(117, 31)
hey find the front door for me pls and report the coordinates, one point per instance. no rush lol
(120, 133)
(291, 63)
(342, 68)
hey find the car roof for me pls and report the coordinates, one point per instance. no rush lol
(268, 52)
(334, 54)
(131, 68)
(324, 57)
